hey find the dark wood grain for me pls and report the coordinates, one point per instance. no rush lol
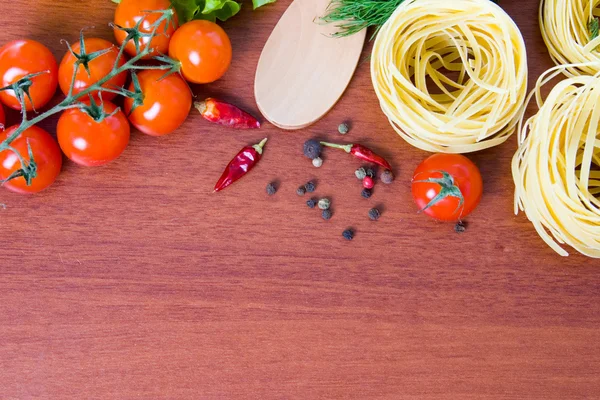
(134, 281)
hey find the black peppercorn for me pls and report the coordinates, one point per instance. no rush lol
(271, 189)
(374, 214)
(348, 234)
(460, 227)
(312, 203)
(310, 187)
(301, 191)
(326, 214)
(312, 148)
(370, 172)
(366, 193)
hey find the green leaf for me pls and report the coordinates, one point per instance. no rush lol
(186, 9)
(210, 10)
(229, 9)
(212, 5)
(116, 1)
(260, 3)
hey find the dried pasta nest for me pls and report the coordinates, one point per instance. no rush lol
(556, 169)
(567, 27)
(451, 76)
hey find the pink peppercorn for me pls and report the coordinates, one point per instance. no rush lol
(368, 182)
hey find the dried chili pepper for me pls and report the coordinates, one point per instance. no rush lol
(241, 164)
(361, 152)
(226, 114)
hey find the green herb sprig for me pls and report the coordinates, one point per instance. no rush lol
(352, 16)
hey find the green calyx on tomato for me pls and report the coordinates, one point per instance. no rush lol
(21, 88)
(166, 103)
(28, 170)
(136, 33)
(83, 58)
(448, 189)
(96, 111)
(94, 135)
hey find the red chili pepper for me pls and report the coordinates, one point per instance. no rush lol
(226, 114)
(241, 164)
(361, 152)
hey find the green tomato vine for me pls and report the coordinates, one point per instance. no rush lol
(21, 87)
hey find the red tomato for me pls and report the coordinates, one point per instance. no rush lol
(462, 177)
(46, 154)
(127, 15)
(167, 103)
(24, 57)
(91, 143)
(2, 118)
(99, 68)
(204, 50)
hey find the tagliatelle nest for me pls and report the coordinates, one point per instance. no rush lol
(557, 167)
(451, 76)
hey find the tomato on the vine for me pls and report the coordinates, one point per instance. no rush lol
(99, 67)
(90, 143)
(447, 187)
(203, 49)
(23, 57)
(127, 15)
(166, 103)
(46, 154)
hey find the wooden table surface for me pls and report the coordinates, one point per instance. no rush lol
(134, 281)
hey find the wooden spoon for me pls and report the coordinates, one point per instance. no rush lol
(303, 70)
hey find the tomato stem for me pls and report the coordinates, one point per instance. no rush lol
(448, 189)
(346, 147)
(21, 87)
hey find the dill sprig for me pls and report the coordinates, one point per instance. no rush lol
(352, 16)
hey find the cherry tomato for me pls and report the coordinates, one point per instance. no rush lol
(127, 15)
(91, 143)
(204, 50)
(460, 177)
(167, 103)
(24, 57)
(99, 68)
(2, 118)
(46, 154)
